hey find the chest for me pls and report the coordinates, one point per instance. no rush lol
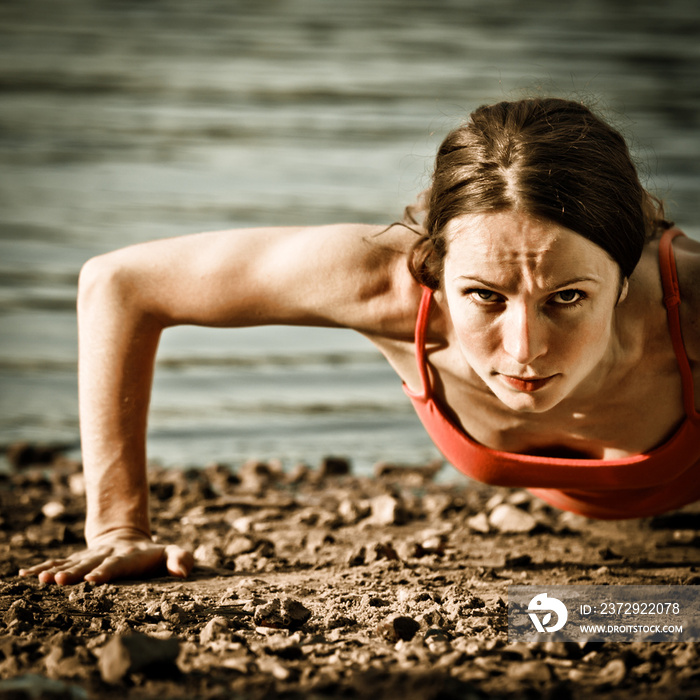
(638, 410)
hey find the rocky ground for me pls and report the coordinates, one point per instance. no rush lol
(316, 583)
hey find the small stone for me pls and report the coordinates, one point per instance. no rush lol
(533, 671)
(387, 510)
(351, 511)
(507, 518)
(316, 540)
(173, 613)
(135, 652)
(239, 544)
(479, 523)
(76, 484)
(334, 466)
(517, 560)
(613, 673)
(572, 521)
(285, 613)
(357, 556)
(255, 475)
(437, 641)
(377, 602)
(494, 501)
(399, 627)
(410, 550)
(22, 611)
(216, 627)
(208, 555)
(53, 509)
(437, 505)
(381, 550)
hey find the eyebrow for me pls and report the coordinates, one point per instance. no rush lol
(499, 288)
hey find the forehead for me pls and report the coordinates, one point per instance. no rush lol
(502, 242)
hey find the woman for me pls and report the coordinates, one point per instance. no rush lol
(529, 303)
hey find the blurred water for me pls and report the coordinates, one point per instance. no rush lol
(126, 121)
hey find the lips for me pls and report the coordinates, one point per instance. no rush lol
(527, 384)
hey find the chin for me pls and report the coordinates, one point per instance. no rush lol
(523, 402)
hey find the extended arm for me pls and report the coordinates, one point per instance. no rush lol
(331, 276)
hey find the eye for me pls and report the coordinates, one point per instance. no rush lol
(482, 296)
(569, 297)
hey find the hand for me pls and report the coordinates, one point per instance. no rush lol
(116, 554)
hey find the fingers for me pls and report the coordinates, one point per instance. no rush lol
(106, 564)
(60, 571)
(109, 568)
(71, 572)
(44, 566)
(178, 561)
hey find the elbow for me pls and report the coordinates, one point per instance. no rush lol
(108, 284)
(115, 285)
(99, 278)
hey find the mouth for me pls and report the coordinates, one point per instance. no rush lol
(527, 384)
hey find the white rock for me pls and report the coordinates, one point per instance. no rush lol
(507, 518)
(387, 510)
(479, 523)
(53, 509)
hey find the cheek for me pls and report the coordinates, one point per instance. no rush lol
(477, 338)
(584, 340)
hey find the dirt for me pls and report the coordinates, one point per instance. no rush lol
(317, 583)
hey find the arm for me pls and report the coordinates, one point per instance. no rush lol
(334, 276)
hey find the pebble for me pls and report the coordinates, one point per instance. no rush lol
(239, 544)
(572, 521)
(613, 673)
(173, 613)
(351, 511)
(357, 556)
(53, 509)
(76, 484)
(281, 613)
(215, 628)
(507, 518)
(479, 523)
(387, 510)
(317, 539)
(437, 641)
(398, 628)
(208, 555)
(494, 501)
(533, 671)
(22, 611)
(380, 550)
(519, 498)
(334, 466)
(135, 652)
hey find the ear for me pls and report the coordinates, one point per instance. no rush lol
(624, 290)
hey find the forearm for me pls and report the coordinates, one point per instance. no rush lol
(118, 339)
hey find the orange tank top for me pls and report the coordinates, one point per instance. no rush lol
(663, 479)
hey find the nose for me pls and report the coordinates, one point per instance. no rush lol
(524, 334)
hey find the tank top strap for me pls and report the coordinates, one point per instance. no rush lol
(672, 302)
(421, 327)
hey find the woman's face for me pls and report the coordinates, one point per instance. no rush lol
(532, 305)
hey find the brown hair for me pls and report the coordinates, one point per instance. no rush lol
(551, 157)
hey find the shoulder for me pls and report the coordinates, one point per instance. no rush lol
(687, 253)
(358, 276)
